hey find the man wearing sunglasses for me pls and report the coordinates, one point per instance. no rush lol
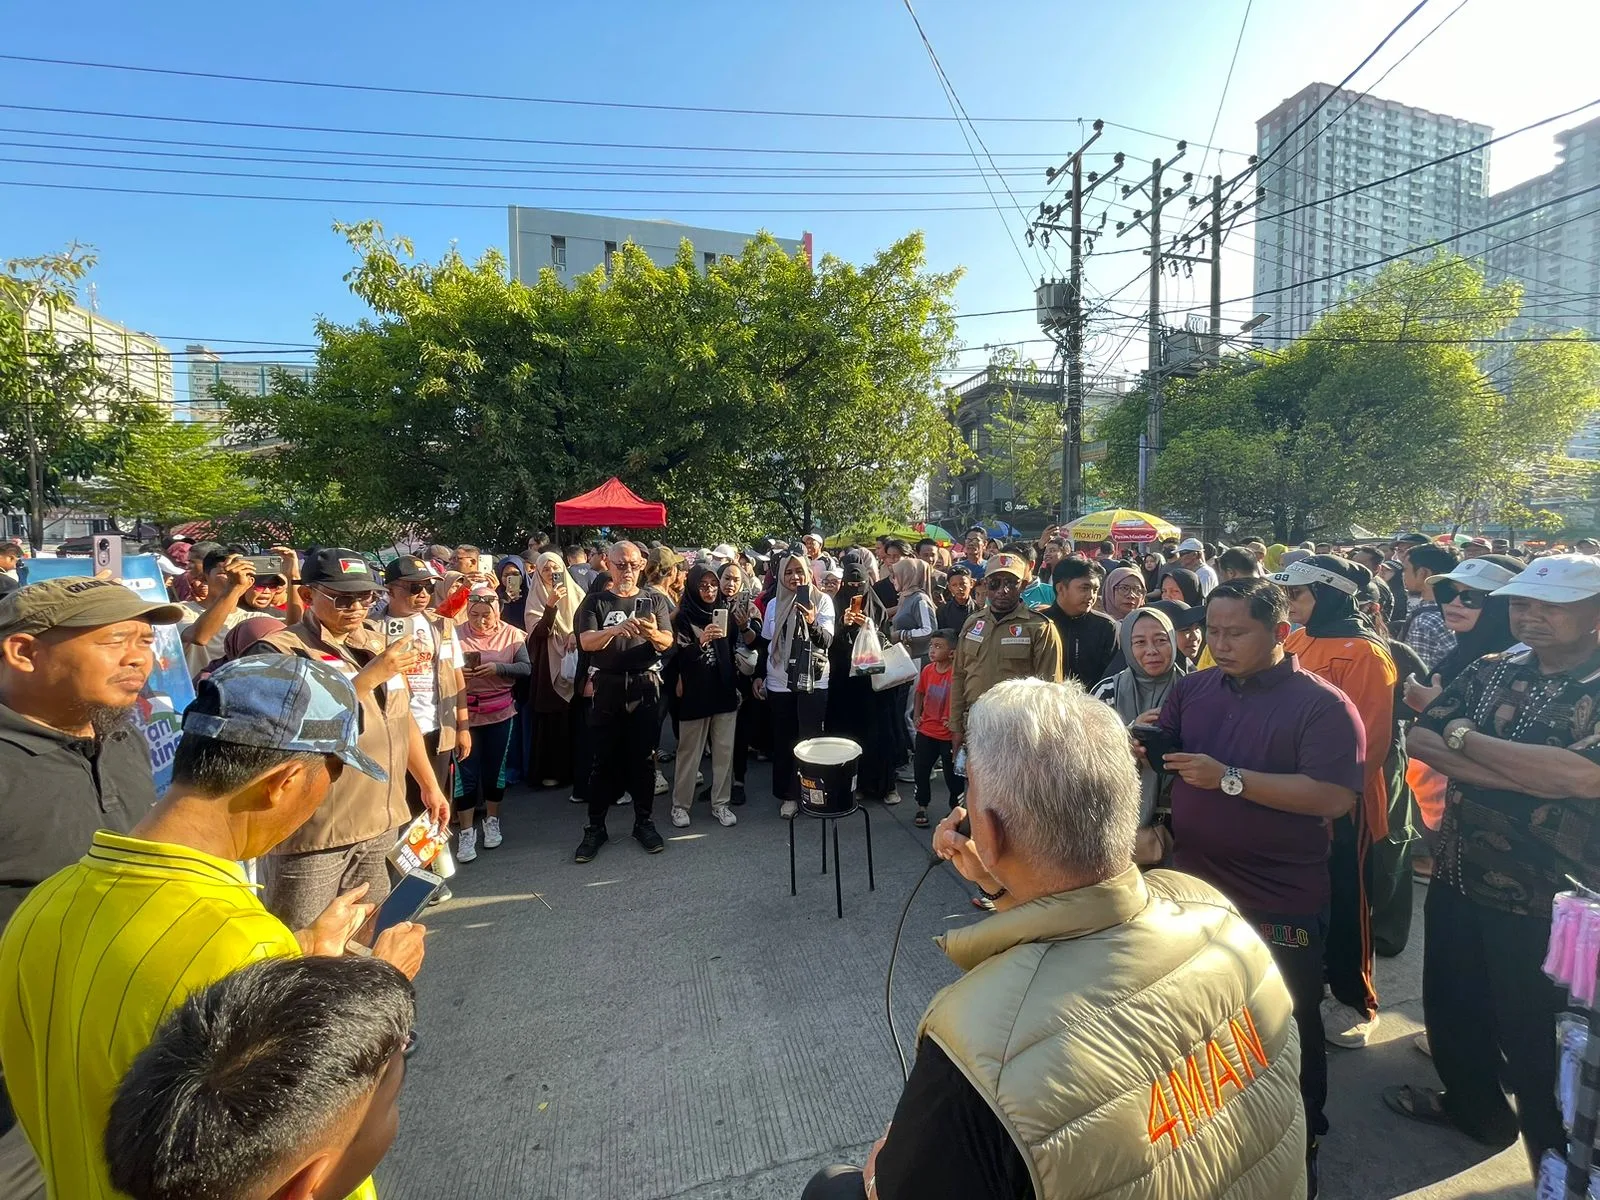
(345, 842)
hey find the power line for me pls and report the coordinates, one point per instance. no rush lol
(1227, 80)
(438, 93)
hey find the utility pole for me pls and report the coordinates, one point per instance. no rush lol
(1062, 315)
(1216, 263)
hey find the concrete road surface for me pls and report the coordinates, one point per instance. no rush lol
(679, 1026)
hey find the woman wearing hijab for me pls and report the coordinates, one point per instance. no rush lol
(496, 656)
(913, 622)
(798, 627)
(511, 576)
(1480, 621)
(552, 610)
(1137, 692)
(1337, 643)
(239, 639)
(869, 718)
(1150, 565)
(1274, 559)
(1122, 592)
(1182, 585)
(753, 724)
(708, 695)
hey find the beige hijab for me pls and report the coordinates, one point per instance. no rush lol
(561, 625)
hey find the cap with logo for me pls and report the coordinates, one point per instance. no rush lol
(78, 603)
(1482, 574)
(1306, 572)
(1191, 546)
(1559, 579)
(281, 702)
(339, 570)
(408, 568)
(1006, 564)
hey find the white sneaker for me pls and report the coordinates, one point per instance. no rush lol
(1344, 1026)
(680, 816)
(466, 845)
(724, 814)
(491, 833)
(661, 784)
(788, 809)
(699, 778)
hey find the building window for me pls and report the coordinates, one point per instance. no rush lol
(611, 249)
(710, 260)
(558, 252)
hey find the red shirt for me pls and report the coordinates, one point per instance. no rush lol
(934, 688)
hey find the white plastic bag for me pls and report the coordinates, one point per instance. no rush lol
(898, 667)
(569, 666)
(866, 656)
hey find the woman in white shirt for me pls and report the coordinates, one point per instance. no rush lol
(798, 628)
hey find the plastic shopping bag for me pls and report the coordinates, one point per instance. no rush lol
(866, 656)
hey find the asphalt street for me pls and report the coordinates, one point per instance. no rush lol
(677, 1025)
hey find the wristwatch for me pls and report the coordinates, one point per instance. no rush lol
(1457, 734)
(1232, 781)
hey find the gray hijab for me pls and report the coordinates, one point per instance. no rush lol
(1137, 690)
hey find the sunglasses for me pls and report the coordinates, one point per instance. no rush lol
(416, 589)
(269, 582)
(1468, 598)
(349, 599)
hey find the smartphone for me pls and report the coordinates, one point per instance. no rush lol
(396, 629)
(856, 603)
(719, 619)
(802, 596)
(407, 899)
(266, 564)
(472, 658)
(1157, 743)
(513, 586)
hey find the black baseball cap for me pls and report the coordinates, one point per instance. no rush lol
(339, 570)
(1182, 616)
(408, 568)
(1412, 539)
(958, 569)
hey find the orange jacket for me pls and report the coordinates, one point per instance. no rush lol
(1364, 672)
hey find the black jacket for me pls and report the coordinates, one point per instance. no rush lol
(1088, 644)
(707, 673)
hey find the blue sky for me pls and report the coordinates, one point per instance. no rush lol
(252, 271)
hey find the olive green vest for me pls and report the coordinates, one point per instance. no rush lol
(1136, 1041)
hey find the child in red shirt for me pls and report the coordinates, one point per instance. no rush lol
(931, 716)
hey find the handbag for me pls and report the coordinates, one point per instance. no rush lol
(745, 659)
(898, 668)
(866, 655)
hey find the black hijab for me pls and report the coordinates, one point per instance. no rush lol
(856, 583)
(1337, 613)
(1490, 635)
(695, 610)
(1188, 583)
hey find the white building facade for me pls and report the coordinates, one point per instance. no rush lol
(207, 368)
(573, 244)
(1338, 150)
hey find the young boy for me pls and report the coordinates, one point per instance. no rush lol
(931, 715)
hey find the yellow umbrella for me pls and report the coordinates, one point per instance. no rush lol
(1122, 525)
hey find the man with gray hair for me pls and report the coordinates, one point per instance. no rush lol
(1132, 1018)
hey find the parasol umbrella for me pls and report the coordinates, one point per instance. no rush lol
(937, 532)
(1122, 525)
(868, 532)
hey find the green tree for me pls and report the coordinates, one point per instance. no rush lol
(171, 473)
(63, 418)
(760, 391)
(1382, 413)
(1024, 442)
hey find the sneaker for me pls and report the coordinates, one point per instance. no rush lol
(724, 814)
(788, 809)
(626, 799)
(548, 783)
(661, 784)
(644, 832)
(594, 836)
(443, 894)
(577, 799)
(466, 845)
(892, 798)
(737, 799)
(1344, 1026)
(699, 778)
(680, 816)
(983, 902)
(905, 775)
(491, 833)
(921, 819)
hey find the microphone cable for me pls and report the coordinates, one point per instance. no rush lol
(888, 982)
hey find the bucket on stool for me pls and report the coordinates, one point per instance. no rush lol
(827, 770)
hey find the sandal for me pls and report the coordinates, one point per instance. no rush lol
(921, 819)
(1419, 1103)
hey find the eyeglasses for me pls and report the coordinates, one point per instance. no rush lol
(416, 589)
(1130, 589)
(348, 599)
(1003, 583)
(1468, 598)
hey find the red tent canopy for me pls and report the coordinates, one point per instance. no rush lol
(612, 503)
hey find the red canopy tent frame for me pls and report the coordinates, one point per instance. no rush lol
(611, 504)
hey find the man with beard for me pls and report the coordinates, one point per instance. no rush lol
(74, 655)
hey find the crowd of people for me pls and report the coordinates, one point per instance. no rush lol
(1302, 734)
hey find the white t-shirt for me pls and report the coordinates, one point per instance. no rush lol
(197, 658)
(423, 684)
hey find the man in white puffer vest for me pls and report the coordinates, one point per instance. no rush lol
(1116, 1034)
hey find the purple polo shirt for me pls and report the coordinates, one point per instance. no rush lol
(1284, 721)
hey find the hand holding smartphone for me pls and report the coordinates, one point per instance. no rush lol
(404, 903)
(1157, 743)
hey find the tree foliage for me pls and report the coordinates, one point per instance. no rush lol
(1397, 406)
(171, 473)
(762, 393)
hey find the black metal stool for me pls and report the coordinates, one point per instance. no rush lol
(832, 818)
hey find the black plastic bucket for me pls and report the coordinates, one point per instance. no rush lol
(827, 770)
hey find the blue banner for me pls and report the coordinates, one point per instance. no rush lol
(168, 691)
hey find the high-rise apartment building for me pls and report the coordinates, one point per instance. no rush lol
(1355, 140)
(254, 378)
(573, 244)
(136, 360)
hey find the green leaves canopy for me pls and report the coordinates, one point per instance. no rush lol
(760, 394)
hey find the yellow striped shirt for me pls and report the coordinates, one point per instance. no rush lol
(91, 962)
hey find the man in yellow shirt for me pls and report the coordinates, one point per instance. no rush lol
(101, 951)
